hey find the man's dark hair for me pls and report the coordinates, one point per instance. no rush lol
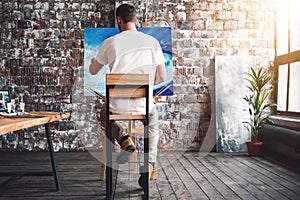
(126, 12)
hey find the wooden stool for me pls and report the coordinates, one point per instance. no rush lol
(125, 86)
(133, 132)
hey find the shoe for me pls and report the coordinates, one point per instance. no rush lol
(143, 178)
(127, 147)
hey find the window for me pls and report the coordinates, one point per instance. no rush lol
(287, 56)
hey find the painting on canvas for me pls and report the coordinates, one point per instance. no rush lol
(93, 39)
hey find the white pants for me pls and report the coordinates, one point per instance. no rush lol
(153, 130)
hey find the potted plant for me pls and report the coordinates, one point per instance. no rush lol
(259, 105)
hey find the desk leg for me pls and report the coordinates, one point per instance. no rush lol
(54, 168)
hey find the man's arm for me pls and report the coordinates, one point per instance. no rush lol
(95, 66)
(160, 74)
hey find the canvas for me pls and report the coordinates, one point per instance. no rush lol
(93, 39)
(231, 109)
(4, 99)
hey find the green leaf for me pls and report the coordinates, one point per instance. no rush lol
(257, 99)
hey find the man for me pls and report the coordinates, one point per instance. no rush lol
(132, 51)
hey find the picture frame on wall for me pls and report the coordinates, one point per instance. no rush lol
(4, 99)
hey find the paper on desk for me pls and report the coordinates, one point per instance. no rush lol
(13, 114)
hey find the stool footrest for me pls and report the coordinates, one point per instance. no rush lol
(127, 117)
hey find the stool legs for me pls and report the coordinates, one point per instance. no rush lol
(133, 166)
(103, 166)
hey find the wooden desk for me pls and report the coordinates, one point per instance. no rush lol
(14, 123)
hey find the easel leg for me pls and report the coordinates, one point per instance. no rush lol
(103, 164)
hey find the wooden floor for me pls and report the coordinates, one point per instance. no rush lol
(181, 176)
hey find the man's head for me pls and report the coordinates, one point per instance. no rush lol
(125, 13)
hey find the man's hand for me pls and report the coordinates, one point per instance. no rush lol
(95, 66)
(160, 74)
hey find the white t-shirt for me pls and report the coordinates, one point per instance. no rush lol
(136, 53)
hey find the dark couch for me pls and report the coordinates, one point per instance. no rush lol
(281, 145)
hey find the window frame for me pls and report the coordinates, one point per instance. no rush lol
(285, 59)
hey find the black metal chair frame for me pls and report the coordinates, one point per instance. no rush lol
(109, 139)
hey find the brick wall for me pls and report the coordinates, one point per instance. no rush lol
(203, 30)
(42, 58)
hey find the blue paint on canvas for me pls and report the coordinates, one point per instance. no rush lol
(93, 39)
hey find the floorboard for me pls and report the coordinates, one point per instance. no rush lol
(180, 176)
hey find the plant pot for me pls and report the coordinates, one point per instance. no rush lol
(253, 148)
